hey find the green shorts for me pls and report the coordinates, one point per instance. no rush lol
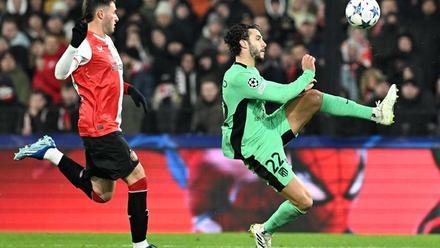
(269, 161)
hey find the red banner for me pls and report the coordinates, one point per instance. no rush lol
(362, 191)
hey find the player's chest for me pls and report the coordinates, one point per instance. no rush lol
(106, 57)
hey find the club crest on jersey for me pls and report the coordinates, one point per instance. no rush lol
(253, 82)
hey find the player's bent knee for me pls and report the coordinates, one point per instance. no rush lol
(314, 98)
(103, 198)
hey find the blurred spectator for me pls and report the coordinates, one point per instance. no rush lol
(11, 111)
(44, 77)
(308, 35)
(17, 9)
(405, 57)
(271, 68)
(415, 110)
(187, 22)
(384, 37)
(369, 83)
(208, 118)
(211, 35)
(300, 10)
(282, 27)
(38, 118)
(265, 28)
(68, 110)
(426, 32)
(4, 46)
(188, 88)
(166, 103)
(11, 32)
(354, 62)
(18, 77)
(36, 6)
(207, 64)
(437, 106)
(55, 25)
(35, 26)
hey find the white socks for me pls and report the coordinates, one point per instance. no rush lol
(53, 155)
(143, 244)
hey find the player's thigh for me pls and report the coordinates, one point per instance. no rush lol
(280, 123)
(301, 109)
(135, 175)
(270, 163)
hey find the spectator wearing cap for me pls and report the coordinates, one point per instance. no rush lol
(164, 20)
(11, 110)
(20, 80)
(415, 110)
(211, 35)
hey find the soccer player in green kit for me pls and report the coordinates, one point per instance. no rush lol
(258, 139)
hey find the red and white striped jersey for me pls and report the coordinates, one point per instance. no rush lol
(96, 72)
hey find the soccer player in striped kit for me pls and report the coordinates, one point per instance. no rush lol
(96, 70)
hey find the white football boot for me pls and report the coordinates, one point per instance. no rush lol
(262, 238)
(383, 113)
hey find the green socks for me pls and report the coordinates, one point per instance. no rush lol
(284, 214)
(340, 106)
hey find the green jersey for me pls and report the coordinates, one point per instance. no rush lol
(245, 92)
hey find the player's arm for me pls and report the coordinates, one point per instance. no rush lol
(251, 87)
(70, 60)
(78, 52)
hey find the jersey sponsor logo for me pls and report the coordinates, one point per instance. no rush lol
(283, 172)
(225, 84)
(253, 82)
(100, 49)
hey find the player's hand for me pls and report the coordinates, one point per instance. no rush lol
(79, 32)
(310, 85)
(308, 63)
(137, 97)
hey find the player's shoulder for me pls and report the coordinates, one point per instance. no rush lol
(85, 49)
(239, 73)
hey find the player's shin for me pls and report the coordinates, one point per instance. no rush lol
(284, 214)
(73, 172)
(339, 106)
(138, 212)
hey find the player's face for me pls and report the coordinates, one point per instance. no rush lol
(110, 18)
(257, 45)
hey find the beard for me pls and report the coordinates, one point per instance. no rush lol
(256, 54)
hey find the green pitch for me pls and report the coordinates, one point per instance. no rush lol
(227, 240)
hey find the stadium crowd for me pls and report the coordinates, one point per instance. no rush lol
(173, 52)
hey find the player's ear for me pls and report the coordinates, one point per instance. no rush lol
(100, 13)
(243, 44)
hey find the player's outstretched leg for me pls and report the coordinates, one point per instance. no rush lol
(383, 113)
(45, 148)
(262, 238)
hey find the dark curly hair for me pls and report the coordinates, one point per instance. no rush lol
(235, 34)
